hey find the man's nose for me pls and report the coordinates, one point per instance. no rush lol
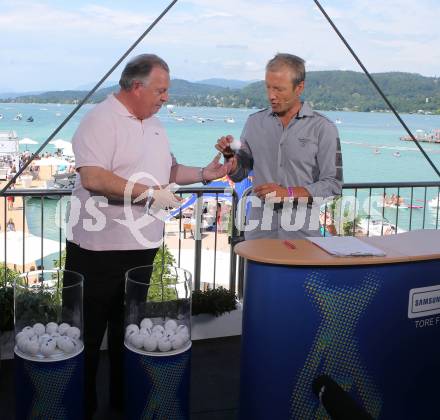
(164, 97)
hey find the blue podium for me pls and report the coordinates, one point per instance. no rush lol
(49, 389)
(157, 385)
(370, 323)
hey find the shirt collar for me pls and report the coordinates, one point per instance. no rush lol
(305, 111)
(118, 106)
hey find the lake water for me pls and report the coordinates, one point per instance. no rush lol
(192, 142)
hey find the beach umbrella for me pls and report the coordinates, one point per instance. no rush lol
(27, 141)
(14, 246)
(61, 144)
(51, 161)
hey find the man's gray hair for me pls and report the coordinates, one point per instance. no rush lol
(139, 68)
(295, 63)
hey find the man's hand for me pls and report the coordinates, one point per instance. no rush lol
(160, 198)
(223, 146)
(271, 192)
(279, 192)
(215, 169)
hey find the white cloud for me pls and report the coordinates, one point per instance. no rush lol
(202, 39)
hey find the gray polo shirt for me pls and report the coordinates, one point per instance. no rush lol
(307, 153)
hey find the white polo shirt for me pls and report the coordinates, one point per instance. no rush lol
(111, 138)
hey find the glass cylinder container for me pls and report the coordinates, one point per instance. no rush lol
(158, 310)
(48, 314)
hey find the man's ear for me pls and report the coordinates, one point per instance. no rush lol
(299, 88)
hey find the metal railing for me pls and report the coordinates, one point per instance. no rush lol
(47, 223)
(363, 209)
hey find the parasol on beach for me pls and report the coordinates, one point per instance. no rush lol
(27, 141)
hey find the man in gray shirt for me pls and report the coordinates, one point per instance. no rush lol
(295, 154)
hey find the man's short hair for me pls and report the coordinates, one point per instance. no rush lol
(293, 62)
(139, 68)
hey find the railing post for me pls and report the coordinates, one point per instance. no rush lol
(198, 212)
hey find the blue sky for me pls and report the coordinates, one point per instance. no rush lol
(61, 45)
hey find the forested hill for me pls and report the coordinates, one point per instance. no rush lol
(326, 90)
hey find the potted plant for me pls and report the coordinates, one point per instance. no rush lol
(216, 313)
(7, 277)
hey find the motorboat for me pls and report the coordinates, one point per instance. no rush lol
(376, 151)
(378, 226)
(396, 154)
(434, 202)
(338, 121)
(229, 120)
(18, 117)
(30, 119)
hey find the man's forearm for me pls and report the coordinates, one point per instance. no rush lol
(184, 175)
(102, 182)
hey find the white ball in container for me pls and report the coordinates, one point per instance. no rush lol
(73, 332)
(131, 329)
(150, 343)
(52, 327)
(22, 344)
(183, 331)
(177, 342)
(66, 344)
(145, 331)
(44, 337)
(48, 347)
(28, 331)
(164, 344)
(55, 335)
(39, 329)
(171, 325)
(169, 334)
(62, 329)
(147, 323)
(158, 328)
(33, 347)
(137, 340)
(20, 335)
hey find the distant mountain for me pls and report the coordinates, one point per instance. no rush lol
(325, 90)
(5, 95)
(88, 86)
(226, 83)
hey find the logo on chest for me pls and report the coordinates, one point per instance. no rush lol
(303, 141)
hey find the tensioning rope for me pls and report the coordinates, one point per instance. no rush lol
(390, 105)
(83, 101)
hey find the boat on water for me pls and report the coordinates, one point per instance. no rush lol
(338, 121)
(422, 136)
(1, 116)
(397, 154)
(376, 151)
(30, 119)
(18, 117)
(229, 120)
(435, 202)
(179, 118)
(377, 226)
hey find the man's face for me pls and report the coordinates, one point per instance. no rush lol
(281, 92)
(152, 94)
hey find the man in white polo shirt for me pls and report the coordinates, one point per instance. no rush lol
(121, 148)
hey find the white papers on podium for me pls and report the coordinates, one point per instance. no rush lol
(346, 246)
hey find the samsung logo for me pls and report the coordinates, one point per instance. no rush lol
(424, 301)
(427, 301)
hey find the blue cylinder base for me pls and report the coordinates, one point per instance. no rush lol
(49, 390)
(157, 387)
(352, 323)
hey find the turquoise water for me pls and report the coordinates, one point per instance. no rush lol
(193, 144)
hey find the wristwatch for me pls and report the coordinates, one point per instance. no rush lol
(202, 178)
